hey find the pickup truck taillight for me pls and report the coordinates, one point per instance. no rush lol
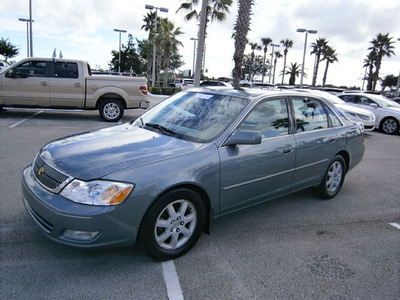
(143, 89)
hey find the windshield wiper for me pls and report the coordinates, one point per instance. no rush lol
(161, 128)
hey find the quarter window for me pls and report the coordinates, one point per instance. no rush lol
(309, 114)
(66, 70)
(32, 69)
(269, 118)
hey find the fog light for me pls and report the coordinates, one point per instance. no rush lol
(77, 235)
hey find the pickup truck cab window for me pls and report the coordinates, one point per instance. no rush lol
(32, 69)
(310, 114)
(269, 118)
(66, 70)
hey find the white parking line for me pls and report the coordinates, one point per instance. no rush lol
(395, 225)
(26, 119)
(172, 281)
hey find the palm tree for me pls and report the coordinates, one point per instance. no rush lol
(330, 56)
(168, 43)
(369, 64)
(216, 9)
(294, 71)
(254, 47)
(277, 56)
(241, 29)
(317, 50)
(265, 42)
(382, 44)
(149, 22)
(287, 44)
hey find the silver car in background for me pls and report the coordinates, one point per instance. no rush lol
(196, 156)
(386, 111)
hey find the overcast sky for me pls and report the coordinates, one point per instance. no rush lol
(83, 29)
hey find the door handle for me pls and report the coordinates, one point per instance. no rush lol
(78, 85)
(43, 83)
(287, 150)
(331, 139)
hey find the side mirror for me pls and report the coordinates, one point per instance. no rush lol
(374, 105)
(10, 74)
(243, 138)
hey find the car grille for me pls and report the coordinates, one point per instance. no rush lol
(48, 176)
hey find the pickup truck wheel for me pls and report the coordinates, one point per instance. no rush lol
(111, 110)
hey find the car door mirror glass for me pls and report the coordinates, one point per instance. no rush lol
(10, 74)
(244, 138)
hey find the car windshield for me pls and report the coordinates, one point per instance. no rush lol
(199, 117)
(384, 102)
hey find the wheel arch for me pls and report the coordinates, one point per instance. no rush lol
(111, 95)
(346, 157)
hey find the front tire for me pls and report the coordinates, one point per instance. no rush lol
(111, 110)
(333, 179)
(173, 224)
(390, 126)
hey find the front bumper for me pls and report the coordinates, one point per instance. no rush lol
(55, 214)
(369, 125)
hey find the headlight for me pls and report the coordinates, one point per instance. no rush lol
(97, 192)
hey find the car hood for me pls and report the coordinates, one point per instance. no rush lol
(95, 154)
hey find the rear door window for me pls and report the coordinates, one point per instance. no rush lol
(66, 70)
(310, 114)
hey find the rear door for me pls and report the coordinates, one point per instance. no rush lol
(30, 86)
(67, 86)
(316, 141)
(253, 173)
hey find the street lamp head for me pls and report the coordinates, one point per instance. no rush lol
(301, 30)
(147, 6)
(25, 20)
(120, 30)
(163, 9)
(194, 39)
(312, 31)
(276, 45)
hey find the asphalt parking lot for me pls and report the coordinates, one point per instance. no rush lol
(296, 247)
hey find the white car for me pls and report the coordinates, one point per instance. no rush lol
(387, 112)
(354, 113)
(3, 65)
(184, 83)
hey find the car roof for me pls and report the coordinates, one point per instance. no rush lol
(250, 93)
(51, 59)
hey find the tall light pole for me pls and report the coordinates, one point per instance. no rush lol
(162, 9)
(272, 60)
(119, 57)
(307, 31)
(200, 44)
(194, 53)
(27, 34)
(30, 29)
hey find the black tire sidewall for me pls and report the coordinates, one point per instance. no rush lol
(117, 102)
(146, 233)
(397, 128)
(323, 191)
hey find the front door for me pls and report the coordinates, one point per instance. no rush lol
(254, 173)
(29, 86)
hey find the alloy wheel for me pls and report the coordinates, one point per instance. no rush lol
(334, 177)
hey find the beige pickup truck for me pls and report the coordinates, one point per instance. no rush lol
(68, 84)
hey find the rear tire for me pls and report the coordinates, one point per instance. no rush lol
(173, 224)
(111, 110)
(390, 126)
(333, 179)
